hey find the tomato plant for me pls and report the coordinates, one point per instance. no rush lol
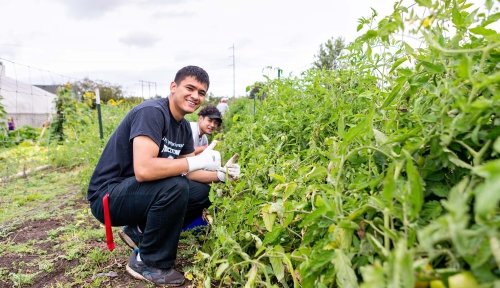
(382, 173)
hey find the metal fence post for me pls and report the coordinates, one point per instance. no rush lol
(98, 105)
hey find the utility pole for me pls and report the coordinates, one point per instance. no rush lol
(98, 106)
(149, 87)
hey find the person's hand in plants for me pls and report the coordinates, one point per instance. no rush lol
(231, 170)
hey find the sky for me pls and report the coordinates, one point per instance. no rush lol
(140, 44)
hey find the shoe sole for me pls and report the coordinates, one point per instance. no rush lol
(130, 243)
(140, 277)
(135, 274)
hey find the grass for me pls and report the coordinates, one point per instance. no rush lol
(22, 279)
(49, 238)
(21, 158)
(21, 195)
(23, 248)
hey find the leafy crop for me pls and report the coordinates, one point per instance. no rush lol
(383, 173)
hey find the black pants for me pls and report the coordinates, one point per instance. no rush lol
(161, 208)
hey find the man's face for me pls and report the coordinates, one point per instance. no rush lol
(207, 125)
(187, 96)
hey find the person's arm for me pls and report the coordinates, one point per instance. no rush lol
(148, 166)
(203, 176)
(199, 149)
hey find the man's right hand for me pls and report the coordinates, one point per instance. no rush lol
(208, 160)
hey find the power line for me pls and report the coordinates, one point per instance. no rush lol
(149, 87)
(39, 69)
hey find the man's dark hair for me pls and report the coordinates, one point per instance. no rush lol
(211, 112)
(198, 73)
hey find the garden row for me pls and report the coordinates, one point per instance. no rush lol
(383, 173)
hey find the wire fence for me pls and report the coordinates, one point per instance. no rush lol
(27, 107)
(27, 94)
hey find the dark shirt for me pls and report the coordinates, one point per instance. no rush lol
(151, 118)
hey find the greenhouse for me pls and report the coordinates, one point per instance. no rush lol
(27, 104)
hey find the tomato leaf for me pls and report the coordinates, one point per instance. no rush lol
(344, 272)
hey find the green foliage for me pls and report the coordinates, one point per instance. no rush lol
(240, 109)
(86, 143)
(72, 139)
(256, 90)
(65, 105)
(82, 145)
(107, 91)
(3, 122)
(5, 140)
(329, 54)
(22, 279)
(382, 174)
(24, 135)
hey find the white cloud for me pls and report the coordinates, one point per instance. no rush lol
(90, 9)
(139, 39)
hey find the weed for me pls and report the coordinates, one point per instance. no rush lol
(96, 257)
(73, 250)
(21, 248)
(21, 279)
(94, 234)
(46, 265)
(52, 234)
(4, 272)
(33, 197)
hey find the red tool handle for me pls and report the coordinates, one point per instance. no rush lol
(107, 223)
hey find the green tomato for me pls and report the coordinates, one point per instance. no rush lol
(437, 284)
(248, 236)
(462, 280)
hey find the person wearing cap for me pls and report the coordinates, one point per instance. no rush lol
(223, 106)
(209, 119)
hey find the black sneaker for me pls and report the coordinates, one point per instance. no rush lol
(131, 236)
(139, 270)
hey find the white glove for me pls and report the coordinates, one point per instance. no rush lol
(212, 145)
(208, 160)
(231, 169)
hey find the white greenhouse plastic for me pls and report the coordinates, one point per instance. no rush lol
(27, 104)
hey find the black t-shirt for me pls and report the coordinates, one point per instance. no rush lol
(151, 118)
